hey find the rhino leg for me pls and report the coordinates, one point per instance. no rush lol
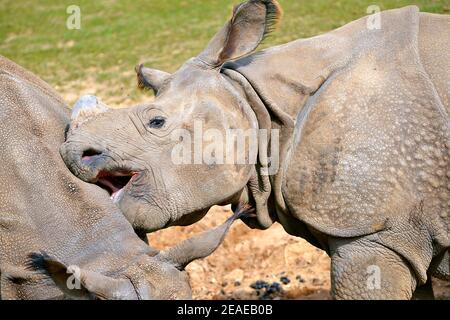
(364, 269)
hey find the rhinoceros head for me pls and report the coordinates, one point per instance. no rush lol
(156, 159)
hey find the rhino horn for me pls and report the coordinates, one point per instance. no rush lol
(85, 108)
(203, 245)
(77, 283)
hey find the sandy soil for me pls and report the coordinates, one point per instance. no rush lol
(248, 256)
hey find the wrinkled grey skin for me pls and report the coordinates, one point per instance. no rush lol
(364, 143)
(50, 220)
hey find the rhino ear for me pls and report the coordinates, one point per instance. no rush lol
(250, 23)
(202, 245)
(77, 283)
(150, 78)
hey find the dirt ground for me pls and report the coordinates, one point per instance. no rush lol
(270, 257)
(247, 256)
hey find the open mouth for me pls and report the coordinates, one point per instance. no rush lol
(115, 182)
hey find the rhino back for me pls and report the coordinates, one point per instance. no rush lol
(42, 205)
(434, 45)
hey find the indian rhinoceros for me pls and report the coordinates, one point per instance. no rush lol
(360, 167)
(59, 236)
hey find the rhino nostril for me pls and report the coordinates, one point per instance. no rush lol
(89, 154)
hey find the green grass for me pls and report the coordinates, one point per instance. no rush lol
(117, 34)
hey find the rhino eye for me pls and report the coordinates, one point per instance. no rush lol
(157, 122)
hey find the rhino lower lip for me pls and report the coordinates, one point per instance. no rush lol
(115, 182)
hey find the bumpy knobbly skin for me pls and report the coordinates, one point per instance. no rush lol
(363, 117)
(363, 269)
(50, 220)
(374, 156)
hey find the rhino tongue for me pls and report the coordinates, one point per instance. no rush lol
(110, 185)
(116, 196)
(114, 184)
(114, 190)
